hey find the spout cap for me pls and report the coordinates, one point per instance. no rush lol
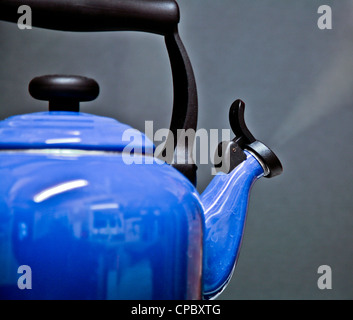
(244, 140)
(267, 158)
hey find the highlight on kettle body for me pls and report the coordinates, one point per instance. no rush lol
(72, 206)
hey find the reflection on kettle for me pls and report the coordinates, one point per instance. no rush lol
(90, 225)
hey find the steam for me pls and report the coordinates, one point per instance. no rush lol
(333, 90)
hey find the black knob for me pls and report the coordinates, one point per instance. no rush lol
(64, 92)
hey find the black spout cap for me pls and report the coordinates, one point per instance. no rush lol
(246, 141)
(232, 152)
(268, 159)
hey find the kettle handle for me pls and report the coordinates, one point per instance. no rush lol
(154, 16)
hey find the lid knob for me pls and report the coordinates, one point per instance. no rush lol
(64, 92)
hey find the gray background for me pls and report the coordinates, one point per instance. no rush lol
(297, 83)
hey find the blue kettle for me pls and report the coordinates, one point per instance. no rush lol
(89, 209)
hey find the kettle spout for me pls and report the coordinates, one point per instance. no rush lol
(226, 198)
(225, 201)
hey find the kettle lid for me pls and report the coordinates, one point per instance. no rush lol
(64, 127)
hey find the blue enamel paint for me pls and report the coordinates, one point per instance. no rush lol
(226, 202)
(91, 226)
(59, 129)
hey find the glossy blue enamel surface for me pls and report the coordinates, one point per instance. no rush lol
(74, 130)
(92, 227)
(97, 224)
(225, 201)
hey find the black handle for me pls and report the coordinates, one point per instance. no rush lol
(155, 16)
(64, 92)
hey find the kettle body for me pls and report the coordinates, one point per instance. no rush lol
(92, 224)
(92, 227)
